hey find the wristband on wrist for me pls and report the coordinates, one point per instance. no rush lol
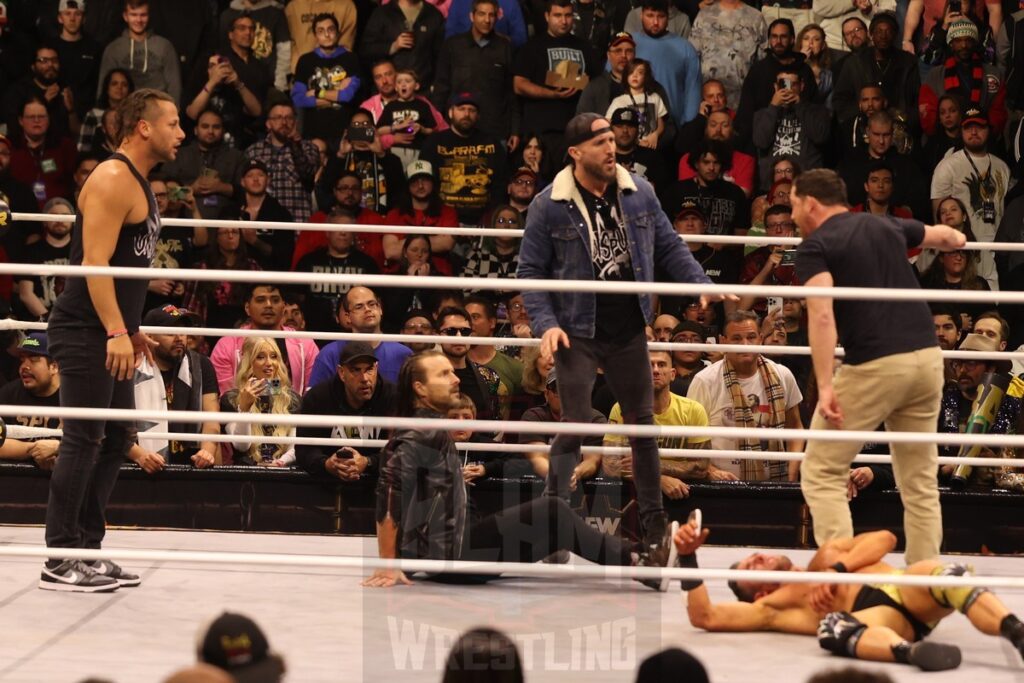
(121, 332)
(322, 94)
(840, 568)
(206, 88)
(689, 562)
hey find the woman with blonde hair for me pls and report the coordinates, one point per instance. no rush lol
(261, 386)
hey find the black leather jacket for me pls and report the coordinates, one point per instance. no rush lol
(422, 489)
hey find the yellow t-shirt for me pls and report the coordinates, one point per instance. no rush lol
(681, 412)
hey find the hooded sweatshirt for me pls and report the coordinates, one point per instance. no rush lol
(152, 62)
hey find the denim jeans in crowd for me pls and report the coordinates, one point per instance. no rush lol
(91, 451)
(627, 369)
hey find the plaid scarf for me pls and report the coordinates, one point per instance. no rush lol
(743, 416)
(952, 80)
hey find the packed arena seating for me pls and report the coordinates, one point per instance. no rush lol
(419, 115)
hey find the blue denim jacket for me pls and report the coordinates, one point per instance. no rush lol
(557, 246)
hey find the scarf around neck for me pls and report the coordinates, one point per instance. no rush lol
(743, 416)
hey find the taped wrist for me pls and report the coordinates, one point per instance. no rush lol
(689, 562)
(839, 633)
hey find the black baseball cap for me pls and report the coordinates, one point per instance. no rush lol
(625, 116)
(355, 350)
(464, 97)
(235, 643)
(170, 316)
(689, 326)
(253, 164)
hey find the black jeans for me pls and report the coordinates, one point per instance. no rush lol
(529, 533)
(91, 451)
(627, 369)
(532, 531)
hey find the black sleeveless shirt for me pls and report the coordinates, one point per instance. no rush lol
(134, 249)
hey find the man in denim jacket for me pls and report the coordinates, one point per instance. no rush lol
(597, 221)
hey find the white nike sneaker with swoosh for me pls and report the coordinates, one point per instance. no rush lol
(74, 576)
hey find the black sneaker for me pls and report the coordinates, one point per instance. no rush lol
(114, 571)
(663, 554)
(75, 576)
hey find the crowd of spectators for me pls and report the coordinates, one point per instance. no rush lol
(418, 113)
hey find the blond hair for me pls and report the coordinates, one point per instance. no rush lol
(279, 403)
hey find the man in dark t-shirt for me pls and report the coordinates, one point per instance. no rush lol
(892, 370)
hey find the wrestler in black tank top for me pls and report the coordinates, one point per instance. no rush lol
(134, 249)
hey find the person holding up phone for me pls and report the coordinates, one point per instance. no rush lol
(770, 265)
(791, 125)
(261, 386)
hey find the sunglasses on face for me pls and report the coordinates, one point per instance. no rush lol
(456, 331)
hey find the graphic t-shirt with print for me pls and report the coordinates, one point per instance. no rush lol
(618, 315)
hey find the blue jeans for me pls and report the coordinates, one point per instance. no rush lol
(627, 369)
(91, 451)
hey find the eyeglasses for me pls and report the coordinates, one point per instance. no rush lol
(47, 60)
(854, 31)
(418, 327)
(967, 364)
(368, 306)
(516, 306)
(785, 225)
(507, 221)
(36, 117)
(524, 181)
(457, 331)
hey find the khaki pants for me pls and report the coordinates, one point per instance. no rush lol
(903, 391)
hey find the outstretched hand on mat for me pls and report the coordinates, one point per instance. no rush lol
(386, 578)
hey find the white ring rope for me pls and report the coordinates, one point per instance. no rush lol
(496, 426)
(539, 570)
(12, 324)
(19, 432)
(761, 240)
(505, 284)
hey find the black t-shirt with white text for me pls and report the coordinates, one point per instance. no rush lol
(321, 306)
(415, 110)
(541, 54)
(14, 393)
(725, 207)
(862, 250)
(618, 315)
(46, 287)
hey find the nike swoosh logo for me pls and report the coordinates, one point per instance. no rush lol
(72, 577)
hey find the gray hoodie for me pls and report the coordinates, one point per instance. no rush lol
(153, 63)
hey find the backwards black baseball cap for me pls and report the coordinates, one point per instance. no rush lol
(581, 128)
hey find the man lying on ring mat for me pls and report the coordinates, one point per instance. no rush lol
(874, 621)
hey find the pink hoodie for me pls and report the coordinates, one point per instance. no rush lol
(302, 354)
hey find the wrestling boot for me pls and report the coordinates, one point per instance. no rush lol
(75, 576)
(662, 554)
(928, 655)
(1012, 629)
(114, 571)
